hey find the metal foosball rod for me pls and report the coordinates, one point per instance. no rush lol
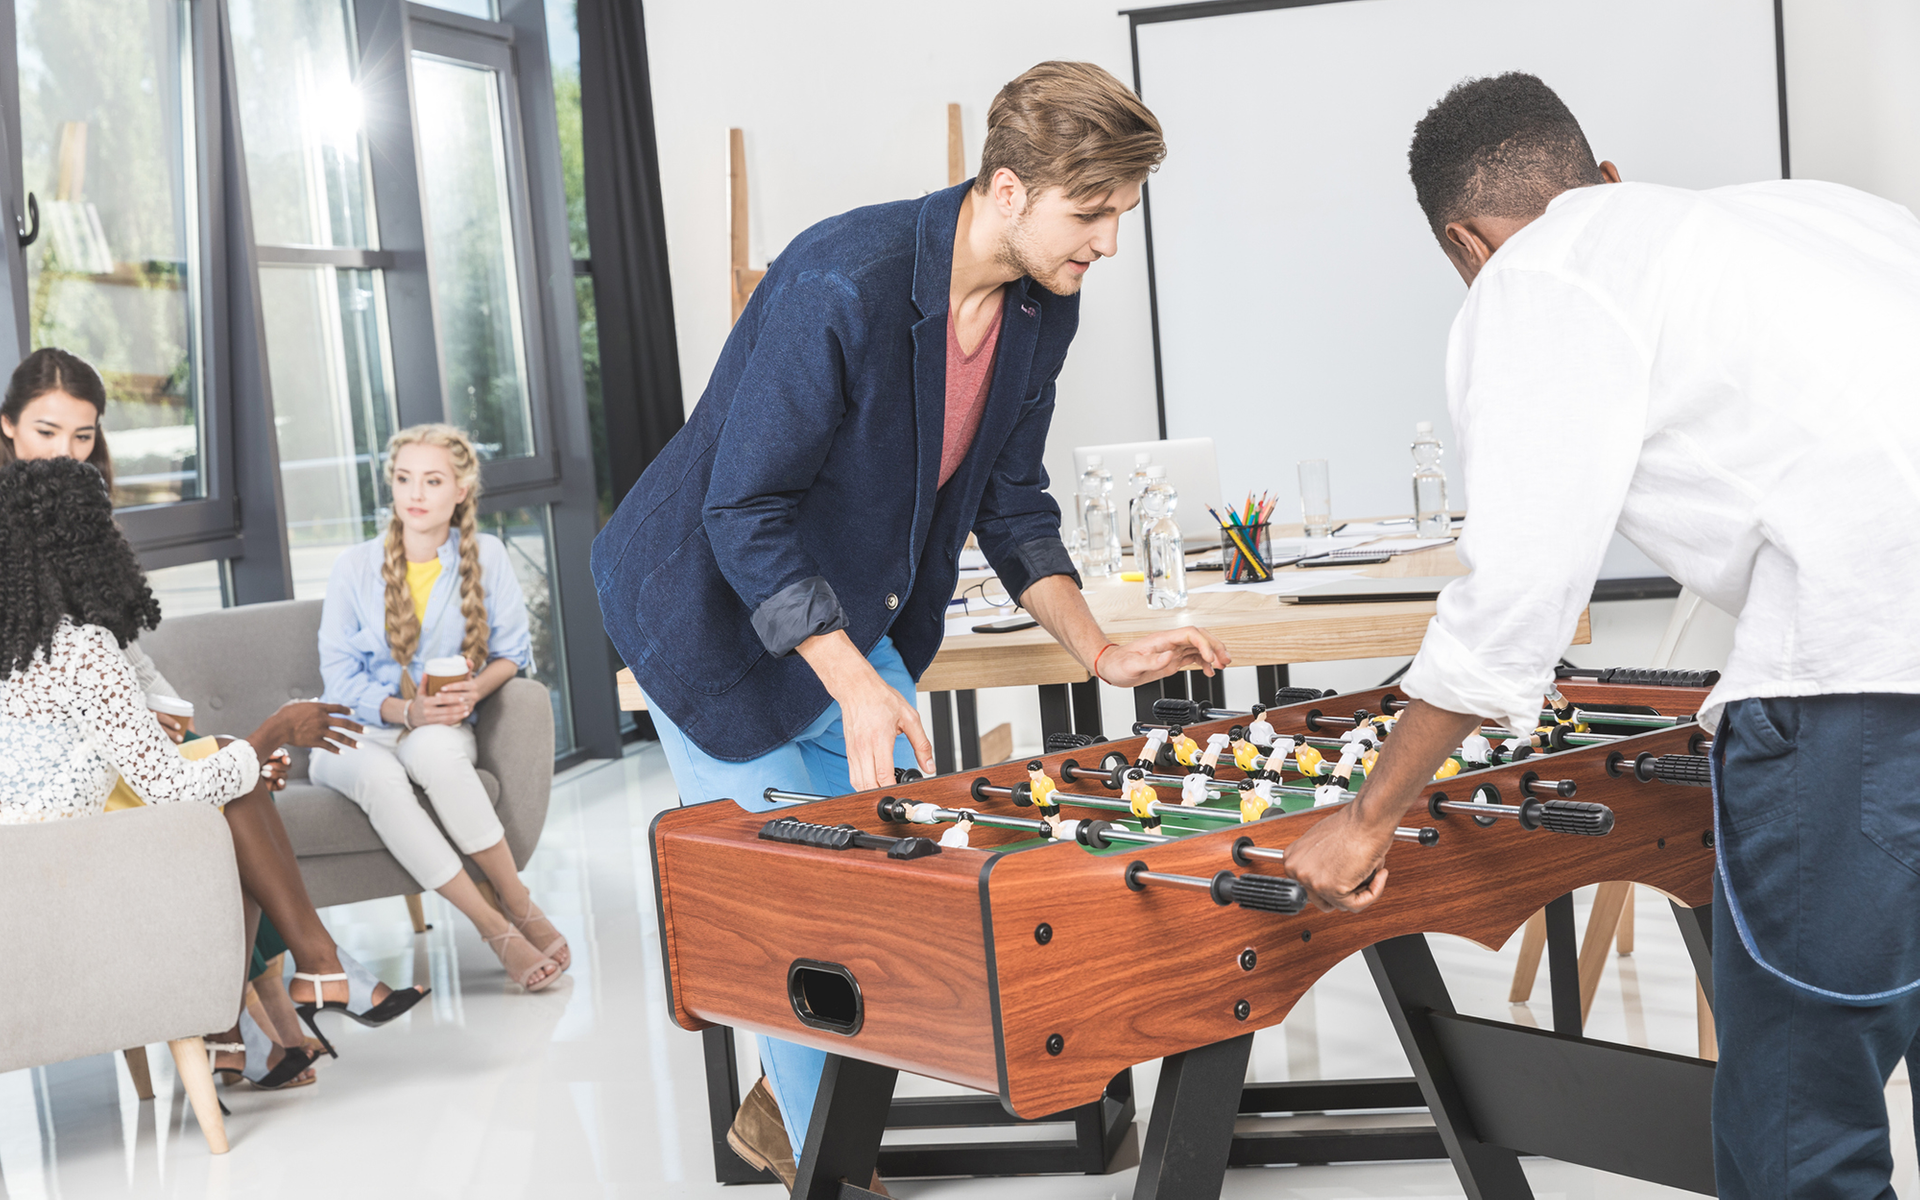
(1095, 834)
(1261, 893)
(1159, 808)
(1555, 816)
(1245, 852)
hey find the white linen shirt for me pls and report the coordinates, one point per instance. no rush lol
(1730, 377)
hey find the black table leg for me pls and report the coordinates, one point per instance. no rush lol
(1056, 711)
(723, 1101)
(1409, 981)
(1563, 965)
(843, 1139)
(967, 703)
(1696, 930)
(1267, 682)
(944, 760)
(1086, 708)
(1190, 1132)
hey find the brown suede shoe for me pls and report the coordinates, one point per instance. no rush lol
(759, 1136)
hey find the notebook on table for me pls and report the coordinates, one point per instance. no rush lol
(1372, 591)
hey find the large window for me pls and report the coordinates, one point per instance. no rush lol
(283, 229)
(471, 252)
(321, 296)
(108, 149)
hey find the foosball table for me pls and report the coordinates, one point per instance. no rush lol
(1033, 930)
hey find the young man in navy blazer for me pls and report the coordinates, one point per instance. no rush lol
(780, 575)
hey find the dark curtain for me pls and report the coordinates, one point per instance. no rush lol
(627, 229)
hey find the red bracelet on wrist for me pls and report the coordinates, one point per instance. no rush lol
(1098, 657)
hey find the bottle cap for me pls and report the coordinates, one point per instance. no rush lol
(1156, 472)
(1423, 427)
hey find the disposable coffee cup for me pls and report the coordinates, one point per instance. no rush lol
(173, 706)
(443, 671)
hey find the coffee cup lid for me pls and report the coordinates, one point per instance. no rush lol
(451, 664)
(173, 706)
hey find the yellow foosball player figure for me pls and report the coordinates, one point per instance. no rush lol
(1307, 760)
(1247, 754)
(1256, 797)
(1041, 789)
(1448, 769)
(1186, 751)
(1140, 797)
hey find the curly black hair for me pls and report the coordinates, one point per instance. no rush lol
(61, 555)
(1499, 147)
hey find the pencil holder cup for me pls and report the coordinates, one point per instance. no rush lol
(1260, 539)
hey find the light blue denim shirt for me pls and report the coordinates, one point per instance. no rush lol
(355, 660)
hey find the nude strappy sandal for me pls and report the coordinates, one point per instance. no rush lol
(555, 947)
(502, 943)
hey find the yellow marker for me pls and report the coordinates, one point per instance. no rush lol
(1134, 576)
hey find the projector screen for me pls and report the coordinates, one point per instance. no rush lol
(1301, 304)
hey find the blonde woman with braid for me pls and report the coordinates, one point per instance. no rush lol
(433, 587)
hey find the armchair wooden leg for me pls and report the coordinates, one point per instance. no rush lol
(196, 1075)
(1533, 940)
(418, 913)
(136, 1057)
(1624, 939)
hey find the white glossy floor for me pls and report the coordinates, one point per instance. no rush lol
(590, 1090)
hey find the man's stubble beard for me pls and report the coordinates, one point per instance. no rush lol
(1016, 253)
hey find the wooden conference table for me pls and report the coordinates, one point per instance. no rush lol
(1257, 630)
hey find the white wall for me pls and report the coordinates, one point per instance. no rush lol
(1853, 94)
(844, 103)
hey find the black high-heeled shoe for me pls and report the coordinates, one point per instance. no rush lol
(359, 1005)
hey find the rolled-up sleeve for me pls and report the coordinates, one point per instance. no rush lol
(780, 427)
(1018, 525)
(1548, 394)
(508, 633)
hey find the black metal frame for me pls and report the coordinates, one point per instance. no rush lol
(1098, 1129)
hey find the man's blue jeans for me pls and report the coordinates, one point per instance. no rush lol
(816, 761)
(1816, 941)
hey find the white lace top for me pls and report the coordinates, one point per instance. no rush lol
(73, 717)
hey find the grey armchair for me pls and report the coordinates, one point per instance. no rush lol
(120, 931)
(239, 664)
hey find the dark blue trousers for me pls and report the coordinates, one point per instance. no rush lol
(1816, 941)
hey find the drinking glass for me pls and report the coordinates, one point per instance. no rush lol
(1316, 498)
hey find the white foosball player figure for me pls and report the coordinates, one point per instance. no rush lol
(1260, 731)
(957, 835)
(1193, 789)
(1476, 751)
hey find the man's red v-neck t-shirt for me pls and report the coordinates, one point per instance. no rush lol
(968, 378)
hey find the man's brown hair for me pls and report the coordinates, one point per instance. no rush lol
(1073, 126)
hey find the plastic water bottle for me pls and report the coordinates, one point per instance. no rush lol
(1137, 485)
(1430, 516)
(1166, 560)
(1098, 520)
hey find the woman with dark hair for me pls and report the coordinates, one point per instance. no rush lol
(52, 409)
(72, 715)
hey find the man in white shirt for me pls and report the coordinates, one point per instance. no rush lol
(1730, 378)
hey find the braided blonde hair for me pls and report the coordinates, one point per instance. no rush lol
(403, 627)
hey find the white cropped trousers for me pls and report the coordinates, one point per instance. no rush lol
(379, 775)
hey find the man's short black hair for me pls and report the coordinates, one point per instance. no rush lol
(1499, 147)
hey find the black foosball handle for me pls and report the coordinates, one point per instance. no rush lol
(1296, 695)
(1567, 816)
(845, 837)
(1261, 893)
(1641, 676)
(1058, 741)
(1687, 770)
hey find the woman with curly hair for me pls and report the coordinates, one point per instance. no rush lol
(72, 716)
(434, 587)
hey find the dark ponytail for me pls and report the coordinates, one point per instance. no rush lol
(50, 369)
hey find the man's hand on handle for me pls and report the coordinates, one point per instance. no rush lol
(1158, 655)
(872, 714)
(1341, 861)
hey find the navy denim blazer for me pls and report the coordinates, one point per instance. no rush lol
(802, 495)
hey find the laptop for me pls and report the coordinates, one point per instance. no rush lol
(1191, 469)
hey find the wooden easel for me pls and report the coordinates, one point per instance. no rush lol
(741, 278)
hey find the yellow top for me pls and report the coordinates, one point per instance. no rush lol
(421, 576)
